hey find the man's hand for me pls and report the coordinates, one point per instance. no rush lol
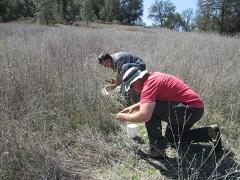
(110, 87)
(120, 116)
(142, 114)
(127, 110)
(111, 81)
(131, 109)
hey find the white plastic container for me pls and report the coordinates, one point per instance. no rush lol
(132, 131)
(105, 92)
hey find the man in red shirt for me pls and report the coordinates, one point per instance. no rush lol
(166, 98)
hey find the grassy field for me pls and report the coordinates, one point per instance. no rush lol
(55, 124)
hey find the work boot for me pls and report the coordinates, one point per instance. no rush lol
(215, 137)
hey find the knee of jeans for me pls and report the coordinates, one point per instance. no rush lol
(169, 135)
(127, 66)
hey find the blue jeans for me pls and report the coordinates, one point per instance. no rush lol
(140, 65)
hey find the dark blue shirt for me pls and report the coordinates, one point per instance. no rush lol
(121, 58)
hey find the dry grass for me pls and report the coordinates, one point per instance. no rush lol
(56, 125)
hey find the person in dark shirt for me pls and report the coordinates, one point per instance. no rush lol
(119, 62)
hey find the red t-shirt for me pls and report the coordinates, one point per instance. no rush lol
(167, 88)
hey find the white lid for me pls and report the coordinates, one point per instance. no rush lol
(131, 125)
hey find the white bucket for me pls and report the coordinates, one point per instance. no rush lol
(131, 130)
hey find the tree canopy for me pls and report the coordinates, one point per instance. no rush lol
(160, 11)
(219, 15)
(65, 11)
(212, 15)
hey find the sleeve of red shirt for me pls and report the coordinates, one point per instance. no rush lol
(149, 92)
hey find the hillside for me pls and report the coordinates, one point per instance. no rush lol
(55, 124)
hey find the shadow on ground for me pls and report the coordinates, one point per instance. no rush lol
(196, 161)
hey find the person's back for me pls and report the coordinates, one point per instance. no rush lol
(119, 62)
(167, 88)
(124, 60)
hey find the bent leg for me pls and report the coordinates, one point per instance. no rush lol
(180, 119)
(154, 130)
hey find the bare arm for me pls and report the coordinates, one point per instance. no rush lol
(114, 82)
(142, 115)
(130, 109)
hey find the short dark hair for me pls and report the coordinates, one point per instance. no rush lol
(103, 57)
